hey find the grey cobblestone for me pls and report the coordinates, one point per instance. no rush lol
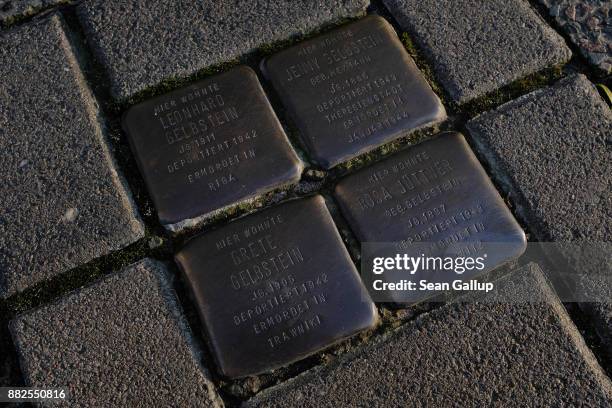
(550, 150)
(477, 47)
(141, 43)
(62, 202)
(502, 352)
(122, 341)
(589, 25)
(10, 10)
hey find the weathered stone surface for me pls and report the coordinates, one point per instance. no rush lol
(11, 10)
(352, 89)
(600, 312)
(123, 341)
(550, 151)
(62, 202)
(477, 47)
(275, 286)
(500, 352)
(142, 43)
(210, 145)
(589, 25)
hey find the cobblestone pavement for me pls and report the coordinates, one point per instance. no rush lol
(186, 185)
(589, 25)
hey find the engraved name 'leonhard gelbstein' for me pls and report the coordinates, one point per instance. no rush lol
(207, 146)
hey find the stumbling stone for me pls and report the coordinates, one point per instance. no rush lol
(352, 89)
(62, 202)
(550, 150)
(476, 47)
(12, 10)
(517, 347)
(274, 287)
(208, 146)
(123, 341)
(434, 198)
(143, 43)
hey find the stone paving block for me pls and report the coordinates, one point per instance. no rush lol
(275, 286)
(10, 10)
(62, 202)
(141, 43)
(123, 341)
(589, 25)
(476, 47)
(550, 151)
(516, 348)
(600, 312)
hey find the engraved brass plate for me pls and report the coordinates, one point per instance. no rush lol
(351, 90)
(210, 145)
(275, 286)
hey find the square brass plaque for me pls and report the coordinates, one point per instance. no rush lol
(431, 199)
(352, 89)
(275, 286)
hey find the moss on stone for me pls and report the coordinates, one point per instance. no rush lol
(424, 66)
(512, 91)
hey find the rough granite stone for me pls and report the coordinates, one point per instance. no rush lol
(600, 312)
(123, 341)
(143, 42)
(476, 47)
(62, 202)
(550, 151)
(518, 347)
(10, 10)
(589, 25)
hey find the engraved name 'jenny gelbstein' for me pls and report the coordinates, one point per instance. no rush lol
(332, 56)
